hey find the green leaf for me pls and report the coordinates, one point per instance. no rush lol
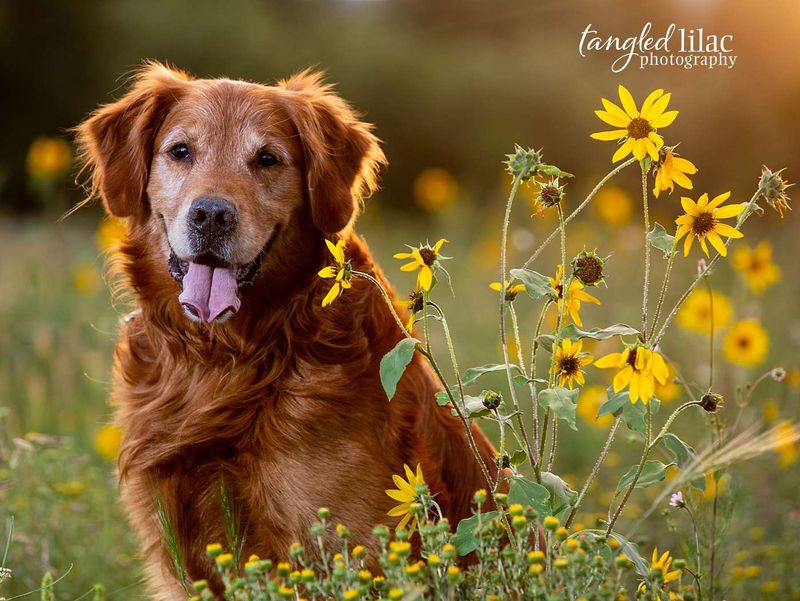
(631, 551)
(442, 399)
(553, 171)
(526, 492)
(561, 495)
(465, 538)
(615, 402)
(537, 286)
(521, 380)
(652, 472)
(518, 458)
(620, 329)
(394, 363)
(474, 406)
(660, 239)
(473, 373)
(684, 455)
(634, 413)
(562, 402)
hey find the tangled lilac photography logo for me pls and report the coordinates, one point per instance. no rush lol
(677, 47)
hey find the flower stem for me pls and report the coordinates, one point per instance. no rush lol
(578, 209)
(520, 420)
(594, 471)
(534, 394)
(637, 475)
(646, 288)
(671, 419)
(388, 300)
(662, 295)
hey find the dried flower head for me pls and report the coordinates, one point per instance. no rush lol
(550, 194)
(711, 401)
(587, 268)
(773, 188)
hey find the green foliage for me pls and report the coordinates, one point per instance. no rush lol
(661, 240)
(653, 471)
(562, 402)
(394, 363)
(537, 286)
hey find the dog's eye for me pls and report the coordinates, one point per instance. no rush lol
(179, 151)
(266, 159)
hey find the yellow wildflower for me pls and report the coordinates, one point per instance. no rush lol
(663, 563)
(49, 158)
(435, 189)
(640, 367)
(756, 265)
(110, 233)
(746, 343)
(568, 363)
(701, 221)
(107, 441)
(575, 296)
(589, 403)
(673, 170)
(637, 129)
(695, 313)
(341, 272)
(406, 493)
(613, 205)
(423, 258)
(511, 290)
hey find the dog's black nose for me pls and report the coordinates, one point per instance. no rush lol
(211, 216)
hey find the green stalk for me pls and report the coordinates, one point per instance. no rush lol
(646, 288)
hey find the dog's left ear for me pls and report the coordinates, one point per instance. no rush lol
(342, 155)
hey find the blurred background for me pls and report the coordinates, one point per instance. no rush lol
(450, 86)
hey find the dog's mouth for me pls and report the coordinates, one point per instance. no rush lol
(210, 286)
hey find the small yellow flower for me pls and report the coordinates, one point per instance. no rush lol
(746, 343)
(435, 189)
(663, 563)
(342, 272)
(110, 233)
(756, 265)
(701, 221)
(396, 594)
(673, 170)
(575, 296)
(637, 129)
(406, 493)
(613, 205)
(359, 551)
(73, 488)
(511, 290)
(49, 158)
(423, 258)
(640, 367)
(569, 361)
(351, 594)
(589, 403)
(213, 549)
(107, 441)
(695, 313)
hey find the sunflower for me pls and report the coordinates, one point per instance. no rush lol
(663, 563)
(413, 305)
(342, 272)
(673, 170)
(575, 296)
(424, 258)
(636, 128)
(701, 221)
(589, 403)
(695, 313)
(746, 343)
(756, 265)
(407, 493)
(568, 363)
(640, 367)
(511, 290)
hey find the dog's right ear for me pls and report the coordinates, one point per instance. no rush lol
(116, 141)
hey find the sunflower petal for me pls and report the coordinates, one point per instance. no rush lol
(327, 272)
(623, 378)
(659, 106)
(729, 211)
(651, 98)
(614, 134)
(425, 278)
(723, 229)
(640, 149)
(610, 360)
(718, 200)
(623, 150)
(627, 102)
(614, 110)
(717, 243)
(689, 206)
(664, 119)
(332, 294)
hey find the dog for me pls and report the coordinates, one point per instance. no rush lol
(230, 372)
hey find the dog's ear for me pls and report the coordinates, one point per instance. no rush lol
(116, 141)
(342, 156)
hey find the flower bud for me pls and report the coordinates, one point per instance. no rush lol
(587, 268)
(492, 400)
(711, 401)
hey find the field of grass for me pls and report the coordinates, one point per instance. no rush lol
(58, 496)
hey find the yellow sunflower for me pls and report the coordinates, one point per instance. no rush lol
(663, 563)
(342, 272)
(589, 403)
(673, 170)
(695, 313)
(575, 296)
(701, 221)
(636, 128)
(640, 367)
(413, 305)
(746, 343)
(568, 363)
(406, 493)
(511, 290)
(423, 258)
(756, 265)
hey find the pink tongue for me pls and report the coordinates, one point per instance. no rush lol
(210, 291)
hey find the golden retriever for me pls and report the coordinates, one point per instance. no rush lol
(230, 370)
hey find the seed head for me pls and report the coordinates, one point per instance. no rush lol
(550, 194)
(587, 268)
(772, 187)
(711, 401)
(523, 163)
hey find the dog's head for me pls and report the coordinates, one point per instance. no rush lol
(217, 171)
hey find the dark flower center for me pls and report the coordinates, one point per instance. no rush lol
(638, 128)
(569, 365)
(550, 195)
(703, 224)
(743, 343)
(415, 304)
(428, 255)
(589, 270)
(632, 358)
